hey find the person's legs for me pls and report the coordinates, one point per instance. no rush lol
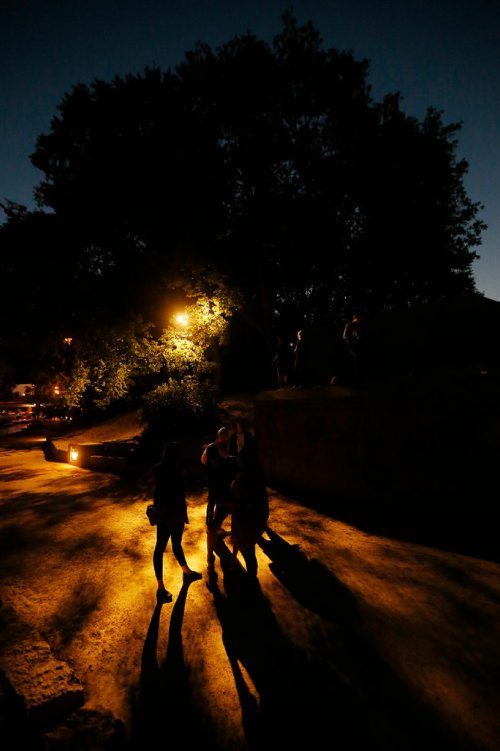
(210, 512)
(236, 547)
(221, 512)
(177, 548)
(178, 551)
(236, 533)
(162, 537)
(250, 560)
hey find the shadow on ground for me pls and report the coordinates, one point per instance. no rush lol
(464, 522)
(290, 696)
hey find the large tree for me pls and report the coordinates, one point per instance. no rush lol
(269, 162)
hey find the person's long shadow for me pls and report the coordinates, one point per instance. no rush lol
(310, 582)
(164, 714)
(294, 701)
(396, 715)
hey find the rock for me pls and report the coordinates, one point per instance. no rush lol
(87, 730)
(41, 689)
(52, 453)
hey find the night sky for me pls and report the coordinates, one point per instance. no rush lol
(441, 53)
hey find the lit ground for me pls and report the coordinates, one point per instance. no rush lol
(367, 641)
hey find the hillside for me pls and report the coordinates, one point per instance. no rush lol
(120, 428)
(126, 426)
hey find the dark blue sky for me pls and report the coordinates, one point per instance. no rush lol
(441, 53)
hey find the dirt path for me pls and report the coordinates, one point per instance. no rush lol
(370, 641)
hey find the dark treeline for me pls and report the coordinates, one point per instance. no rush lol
(269, 164)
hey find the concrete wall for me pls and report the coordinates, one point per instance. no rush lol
(313, 439)
(425, 443)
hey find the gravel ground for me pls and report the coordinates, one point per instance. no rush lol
(351, 640)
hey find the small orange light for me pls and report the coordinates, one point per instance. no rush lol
(73, 454)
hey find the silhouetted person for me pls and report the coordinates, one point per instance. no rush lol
(241, 438)
(282, 362)
(221, 469)
(250, 509)
(300, 360)
(355, 338)
(170, 501)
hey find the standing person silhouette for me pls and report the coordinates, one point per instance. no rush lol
(241, 437)
(282, 361)
(170, 501)
(221, 469)
(250, 509)
(354, 337)
(300, 360)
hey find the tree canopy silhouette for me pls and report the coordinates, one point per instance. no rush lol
(268, 162)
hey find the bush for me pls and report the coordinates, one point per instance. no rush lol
(177, 410)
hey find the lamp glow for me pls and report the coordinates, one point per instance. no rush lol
(73, 454)
(182, 319)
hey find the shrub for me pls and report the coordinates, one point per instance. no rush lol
(177, 410)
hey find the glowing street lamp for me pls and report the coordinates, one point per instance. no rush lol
(182, 319)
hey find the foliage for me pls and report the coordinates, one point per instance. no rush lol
(104, 364)
(192, 341)
(37, 291)
(268, 163)
(270, 152)
(189, 347)
(179, 408)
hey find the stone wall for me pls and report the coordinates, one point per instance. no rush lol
(426, 442)
(313, 439)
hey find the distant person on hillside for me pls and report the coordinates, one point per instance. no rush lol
(282, 362)
(300, 364)
(170, 501)
(221, 468)
(355, 339)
